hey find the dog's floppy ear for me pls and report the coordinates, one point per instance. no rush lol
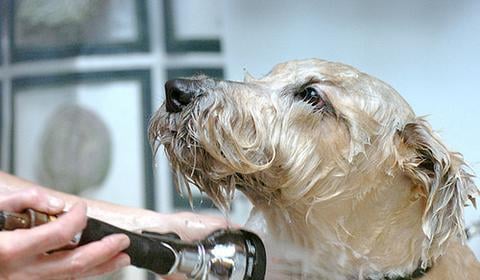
(443, 180)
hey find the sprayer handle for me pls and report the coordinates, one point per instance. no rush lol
(145, 251)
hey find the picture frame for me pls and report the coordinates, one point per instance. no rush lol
(2, 14)
(85, 32)
(39, 102)
(198, 201)
(2, 125)
(174, 44)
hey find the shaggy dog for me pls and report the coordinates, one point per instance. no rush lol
(346, 182)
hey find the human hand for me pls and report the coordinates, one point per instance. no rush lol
(24, 252)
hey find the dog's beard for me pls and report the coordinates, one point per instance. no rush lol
(212, 150)
(189, 161)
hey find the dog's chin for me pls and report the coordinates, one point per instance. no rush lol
(190, 163)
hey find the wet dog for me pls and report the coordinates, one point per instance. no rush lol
(346, 182)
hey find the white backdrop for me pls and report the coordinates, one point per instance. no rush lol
(428, 50)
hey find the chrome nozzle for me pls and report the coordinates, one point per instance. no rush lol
(225, 254)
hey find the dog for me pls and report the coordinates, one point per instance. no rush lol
(346, 181)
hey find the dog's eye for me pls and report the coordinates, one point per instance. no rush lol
(311, 96)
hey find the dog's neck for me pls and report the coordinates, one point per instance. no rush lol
(377, 234)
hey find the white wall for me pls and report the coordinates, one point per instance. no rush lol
(428, 50)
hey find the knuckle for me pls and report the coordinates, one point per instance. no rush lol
(8, 252)
(33, 193)
(61, 235)
(33, 196)
(70, 226)
(77, 264)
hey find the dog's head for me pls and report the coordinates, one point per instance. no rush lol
(310, 133)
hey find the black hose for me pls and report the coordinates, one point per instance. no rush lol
(145, 251)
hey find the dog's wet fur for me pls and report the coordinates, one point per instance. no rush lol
(346, 181)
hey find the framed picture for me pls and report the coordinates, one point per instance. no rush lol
(2, 125)
(44, 29)
(2, 14)
(200, 33)
(85, 133)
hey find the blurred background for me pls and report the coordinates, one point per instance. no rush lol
(79, 79)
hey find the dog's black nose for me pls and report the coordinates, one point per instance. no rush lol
(179, 93)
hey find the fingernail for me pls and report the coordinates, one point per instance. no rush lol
(55, 202)
(125, 242)
(123, 261)
(121, 239)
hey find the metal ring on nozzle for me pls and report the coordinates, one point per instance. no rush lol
(224, 254)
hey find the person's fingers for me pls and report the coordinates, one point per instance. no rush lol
(31, 198)
(120, 261)
(100, 256)
(53, 235)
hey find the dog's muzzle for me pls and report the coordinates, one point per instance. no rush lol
(180, 92)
